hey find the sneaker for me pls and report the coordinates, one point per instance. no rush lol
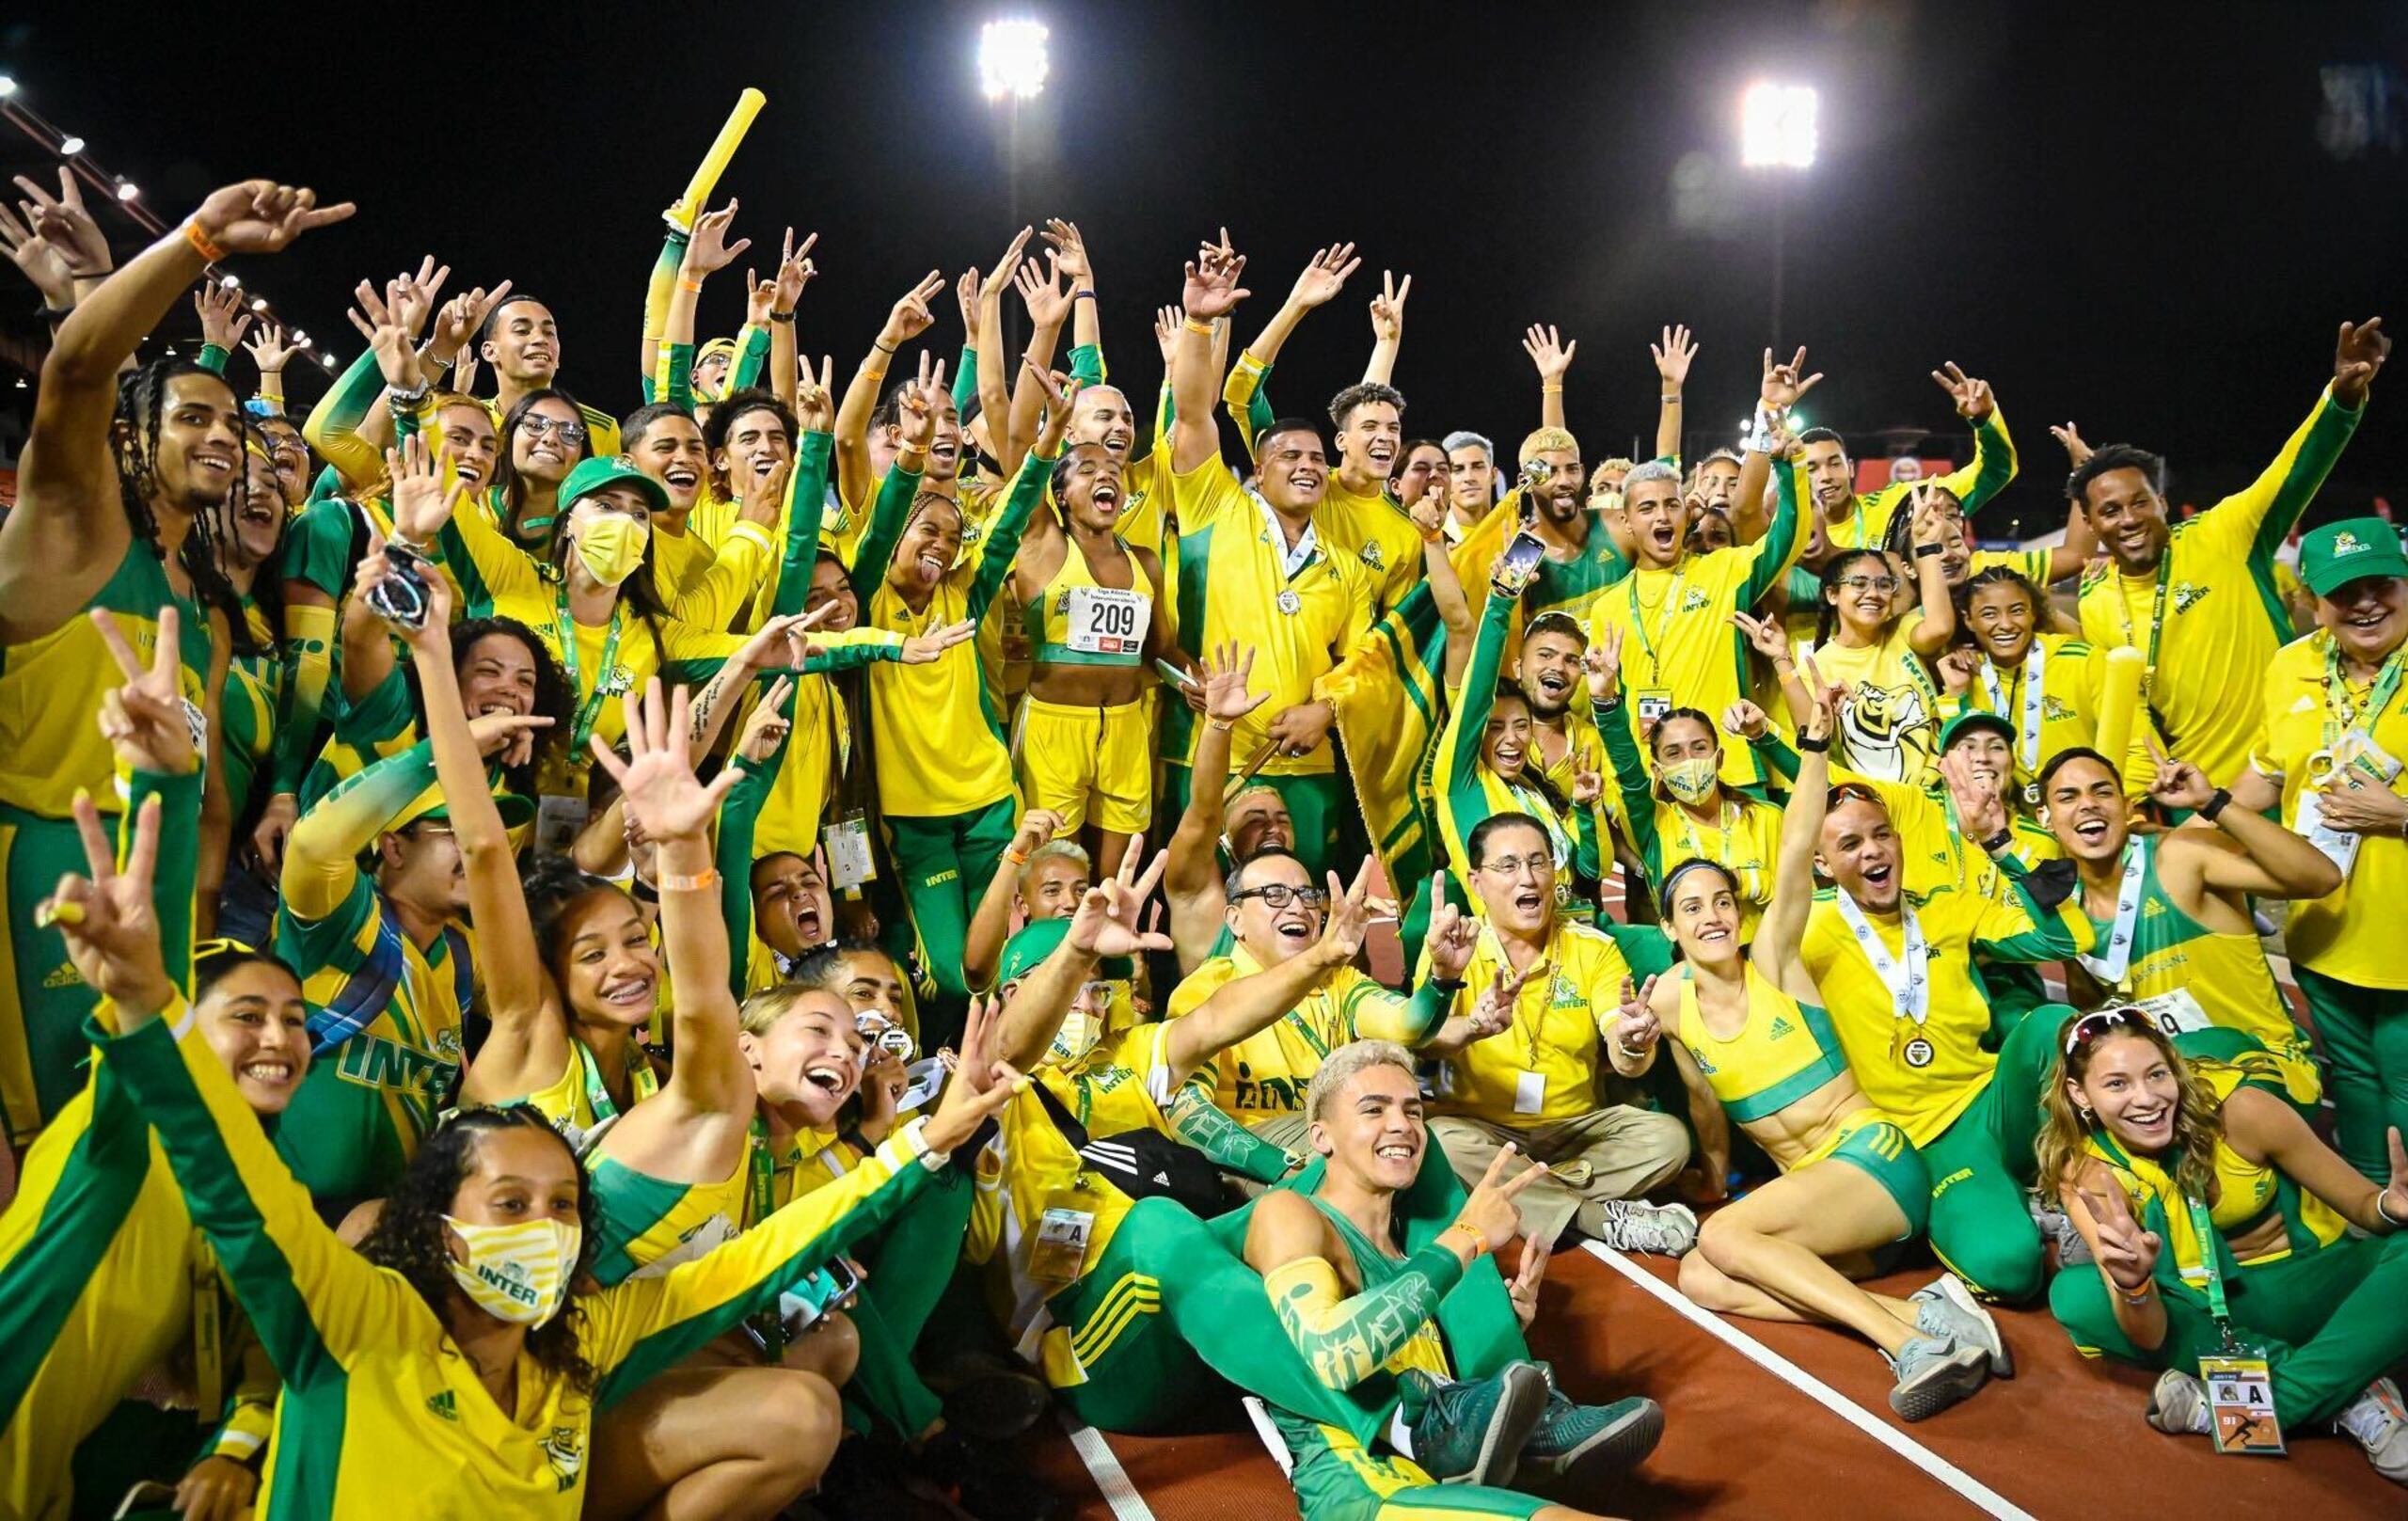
(1576, 1447)
(2178, 1406)
(1949, 1309)
(2380, 1422)
(1472, 1431)
(1632, 1225)
(1933, 1374)
(997, 1403)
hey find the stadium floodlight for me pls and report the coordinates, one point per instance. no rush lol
(127, 190)
(69, 147)
(7, 86)
(232, 282)
(1012, 59)
(259, 304)
(1777, 127)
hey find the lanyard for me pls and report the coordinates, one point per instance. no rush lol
(2203, 1226)
(589, 709)
(761, 1187)
(2340, 711)
(2156, 619)
(1909, 977)
(1727, 822)
(2112, 967)
(1639, 620)
(1535, 804)
(208, 1351)
(642, 1081)
(2027, 725)
(1546, 990)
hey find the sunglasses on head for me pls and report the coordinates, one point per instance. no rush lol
(1850, 792)
(2087, 1029)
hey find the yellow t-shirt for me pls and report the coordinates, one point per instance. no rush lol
(1376, 533)
(1234, 585)
(1890, 717)
(2223, 618)
(1544, 1065)
(2352, 934)
(1264, 1075)
(1974, 483)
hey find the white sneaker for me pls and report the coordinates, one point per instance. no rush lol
(1950, 1309)
(2380, 1422)
(2178, 1406)
(1631, 1225)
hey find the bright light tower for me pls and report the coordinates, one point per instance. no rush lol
(1778, 132)
(1011, 59)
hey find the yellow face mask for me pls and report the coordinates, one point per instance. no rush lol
(612, 546)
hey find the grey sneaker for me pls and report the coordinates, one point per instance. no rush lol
(1934, 1374)
(2178, 1406)
(1632, 1225)
(2380, 1422)
(1472, 1431)
(1574, 1447)
(1949, 1309)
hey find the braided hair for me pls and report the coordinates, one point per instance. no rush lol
(134, 443)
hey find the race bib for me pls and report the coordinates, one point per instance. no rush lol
(2175, 1013)
(558, 821)
(1107, 620)
(846, 843)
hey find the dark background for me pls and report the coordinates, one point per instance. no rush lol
(2148, 219)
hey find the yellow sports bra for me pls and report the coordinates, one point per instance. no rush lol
(1784, 1052)
(1079, 621)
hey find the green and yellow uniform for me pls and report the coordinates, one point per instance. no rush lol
(1376, 531)
(1469, 791)
(1090, 763)
(1866, 520)
(1786, 1050)
(1573, 586)
(50, 749)
(1264, 1076)
(1544, 1066)
(2208, 632)
(1890, 711)
(1744, 838)
(2321, 1306)
(254, 696)
(1678, 645)
(2344, 946)
(2053, 699)
(1910, 1010)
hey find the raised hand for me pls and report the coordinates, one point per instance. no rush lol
(656, 782)
(983, 1082)
(1069, 252)
(2127, 1253)
(1036, 826)
(63, 224)
(1636, 1028)
(1453, 936)
(1548, 351)
(1387, 308)
(1226, 673)
(1973, 397)
(767, 726)
(1047, 297)
(1524, 1289)
(1107, 922)
(419, 503)
(794, 270)
(1981, 811)
(223, 321)
(416, 292)
(920, 649)
(1346, 918)
(1784, 383)
(458, 322)
(2178, 784)
(965, 294)
(145, 720)
(1210, 289)
(921, 402)
(268, 349)
(1588, 783)
(815, 396)
(1957, 669)
(1602, 664)
(1746, 719)
(1823, 718)
(2070, 437)
(2355, 358)
(1672, 353)
(1491, 1213)
(1764, 636)
(259, 217)
(107, 918)
(38, 258)
(1007, 271)
(1928, 515)
(911, 316)
(1059, 391)
(1324, 277)
(1167, 322)
(387, 329)
(708, 251)
(1494, 1014)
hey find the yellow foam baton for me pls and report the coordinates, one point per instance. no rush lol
(731, 136)
(2119, 703)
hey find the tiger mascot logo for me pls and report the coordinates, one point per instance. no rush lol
(1879, 723)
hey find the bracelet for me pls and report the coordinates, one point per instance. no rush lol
(404, 400)
(199, 240)
(1674, 399)
(880, 347)
(1018, 858)
(2215, 805)
(1221, 726)
(1813, 745)
(1924, 552)
(684, 284)
(1449, 986)
(1546, 389)
(1997, 842)
(2138, 1296)
(1478, 1242)
(782, 316)
(2385, 1215)
(1201, 329)
(1082, 295)
(702, 882)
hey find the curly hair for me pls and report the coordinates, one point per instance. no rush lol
(553, 885)
(1827, 611)
(2066, 1132)
(553, 700)
(408, 1234)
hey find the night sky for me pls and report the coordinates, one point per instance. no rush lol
(2118, 214)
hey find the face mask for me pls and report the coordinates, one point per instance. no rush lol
(517, 1273)
(1691, 780)
(612, 546)
(1080, 1030)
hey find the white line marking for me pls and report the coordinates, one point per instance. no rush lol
(1978, 1494)
(1104, 1469)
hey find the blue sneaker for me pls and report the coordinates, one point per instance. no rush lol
(1472, 1431)
(1574, 1447)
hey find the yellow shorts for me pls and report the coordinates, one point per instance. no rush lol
(1087, 763)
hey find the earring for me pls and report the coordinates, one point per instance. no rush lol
(2086, 1116)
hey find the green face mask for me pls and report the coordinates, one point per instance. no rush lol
(612, 546)
(1691, 780)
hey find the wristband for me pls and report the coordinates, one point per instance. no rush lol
(1449, 986)
(2385, 1215)
(1201, 329)
(1221, 726)
(1082, 295)
(1478, 1242)
(702, 882)
(1018, 858)
(199, 240)
(684, 284)
(1546, 389)
(1674, 399)
(2137, 1296)
(782, 316)
(2215, 805)
(1813, 745)
(880, 347)
(1997, 842)
(1924, 552)
(404, 400)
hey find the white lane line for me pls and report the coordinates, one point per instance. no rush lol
(1104, 1469)
(1975, 1493)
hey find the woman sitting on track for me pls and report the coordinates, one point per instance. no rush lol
(2216, 1214)
(1751, 1040)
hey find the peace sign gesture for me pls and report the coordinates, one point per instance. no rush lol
(1973, 397)
(1494, 1013)
(2127, 1252)
(2178, 784)
(144, 720)
(1636, 1027)
(1524, 1289)
(1346, 917)
(1106, 921)
(1387, 308)
(1491, 1213)
(107, 920)
(918, 403)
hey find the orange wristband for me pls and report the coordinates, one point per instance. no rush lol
(199, 240)
(684, 284)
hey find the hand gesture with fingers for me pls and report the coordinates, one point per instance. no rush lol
(420, 505)
(1548, 352)
(1784, 383)
(1823, 720)
(413, 297)
(794, 270)
(223, 321)
(1746, 719)
(1045, 295)
(911, 316)
(920, 649)
(144, 720)
(1210, 289)
(1324, 277)
(1928, 517)
(1494, 1013)
(458, 320)
(1602, 664)
(708, 251)
(1346, 917)
(2178, 784)
(65, 227)
(1673, 351)
(982, 1084)
(1167, 322)
(108, 919)
(38, 258)
(1005, 275)
(1069, 251)
(1636, 1028)
(1059, 391)
(1957, 669)
(2070, 436)
(1764, 636)
(1227, 675)
(2359, 354)
(1037, 826)
(656, 782)
(815, 396)
(1491, 1213)
(1453, 936)
(1973, 397)
(1387, 308)
(2127, 1252)
(920, 404)
(1524, 1289)
(268, 349)
(965, 294)
(1588, 782)
(767, 726)
(386, 328)
(1108, 917)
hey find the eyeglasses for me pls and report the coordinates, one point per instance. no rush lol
(2098, 1022)
(1884, 585)
(1279, 894)
(536, 425)
(1538, 866)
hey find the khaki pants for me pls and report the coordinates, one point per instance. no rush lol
(1291, 1133)
(1617, 1153)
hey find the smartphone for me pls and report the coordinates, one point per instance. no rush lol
(1174, 675)
(402, 595)
(145, 1496)
(1513, 567)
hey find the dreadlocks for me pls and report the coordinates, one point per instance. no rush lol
(134, 441)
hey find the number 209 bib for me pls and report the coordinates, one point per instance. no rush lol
(1107, 620)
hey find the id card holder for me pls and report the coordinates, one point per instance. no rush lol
(1529, 1093)
(2241, 1404)
(559, 819)
(847, 842)
(1063, 1232)
(1652, 704)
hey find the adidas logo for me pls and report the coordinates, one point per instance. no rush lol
(2152, 909)
(1781, 1026)
(65, 975)
(1161, 1179)
(2305, 704)
(444, 1405)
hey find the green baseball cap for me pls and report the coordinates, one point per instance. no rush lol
(597, 474)
(516, 811)
(1033, 944)
(1972, 718)
(2336, 554)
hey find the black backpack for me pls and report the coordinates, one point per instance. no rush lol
(1143, 1163)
